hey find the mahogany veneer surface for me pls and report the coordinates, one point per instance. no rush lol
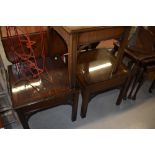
(49, 86)
(97, 66)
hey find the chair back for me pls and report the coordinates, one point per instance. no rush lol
(124, 36)
(143, 39)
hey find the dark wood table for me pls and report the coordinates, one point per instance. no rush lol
(76, 36)
(38, 94)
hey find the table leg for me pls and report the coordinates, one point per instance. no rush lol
(75, 106)
(85, 101)
(140, 83)
(23, 119)
(72, 59)
(135, 79)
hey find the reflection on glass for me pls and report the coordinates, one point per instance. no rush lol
(105, 65)
(23, 87)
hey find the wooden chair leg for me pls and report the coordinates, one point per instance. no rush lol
(135, 80)
(85, 101)
(23, 119)
(140, 80)
(133, 69)
(75, 106)
(152, 86)
(137, 89)
(121, 94)
(129, 81)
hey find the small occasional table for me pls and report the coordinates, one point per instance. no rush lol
(41, 93)
(76, 36)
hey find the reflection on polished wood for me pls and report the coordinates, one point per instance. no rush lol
(48, 86)
(97, 66)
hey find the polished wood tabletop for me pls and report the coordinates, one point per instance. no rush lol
(49, 85)
(97, 66)
(72, 29)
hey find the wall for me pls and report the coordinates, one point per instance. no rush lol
(2, 53)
